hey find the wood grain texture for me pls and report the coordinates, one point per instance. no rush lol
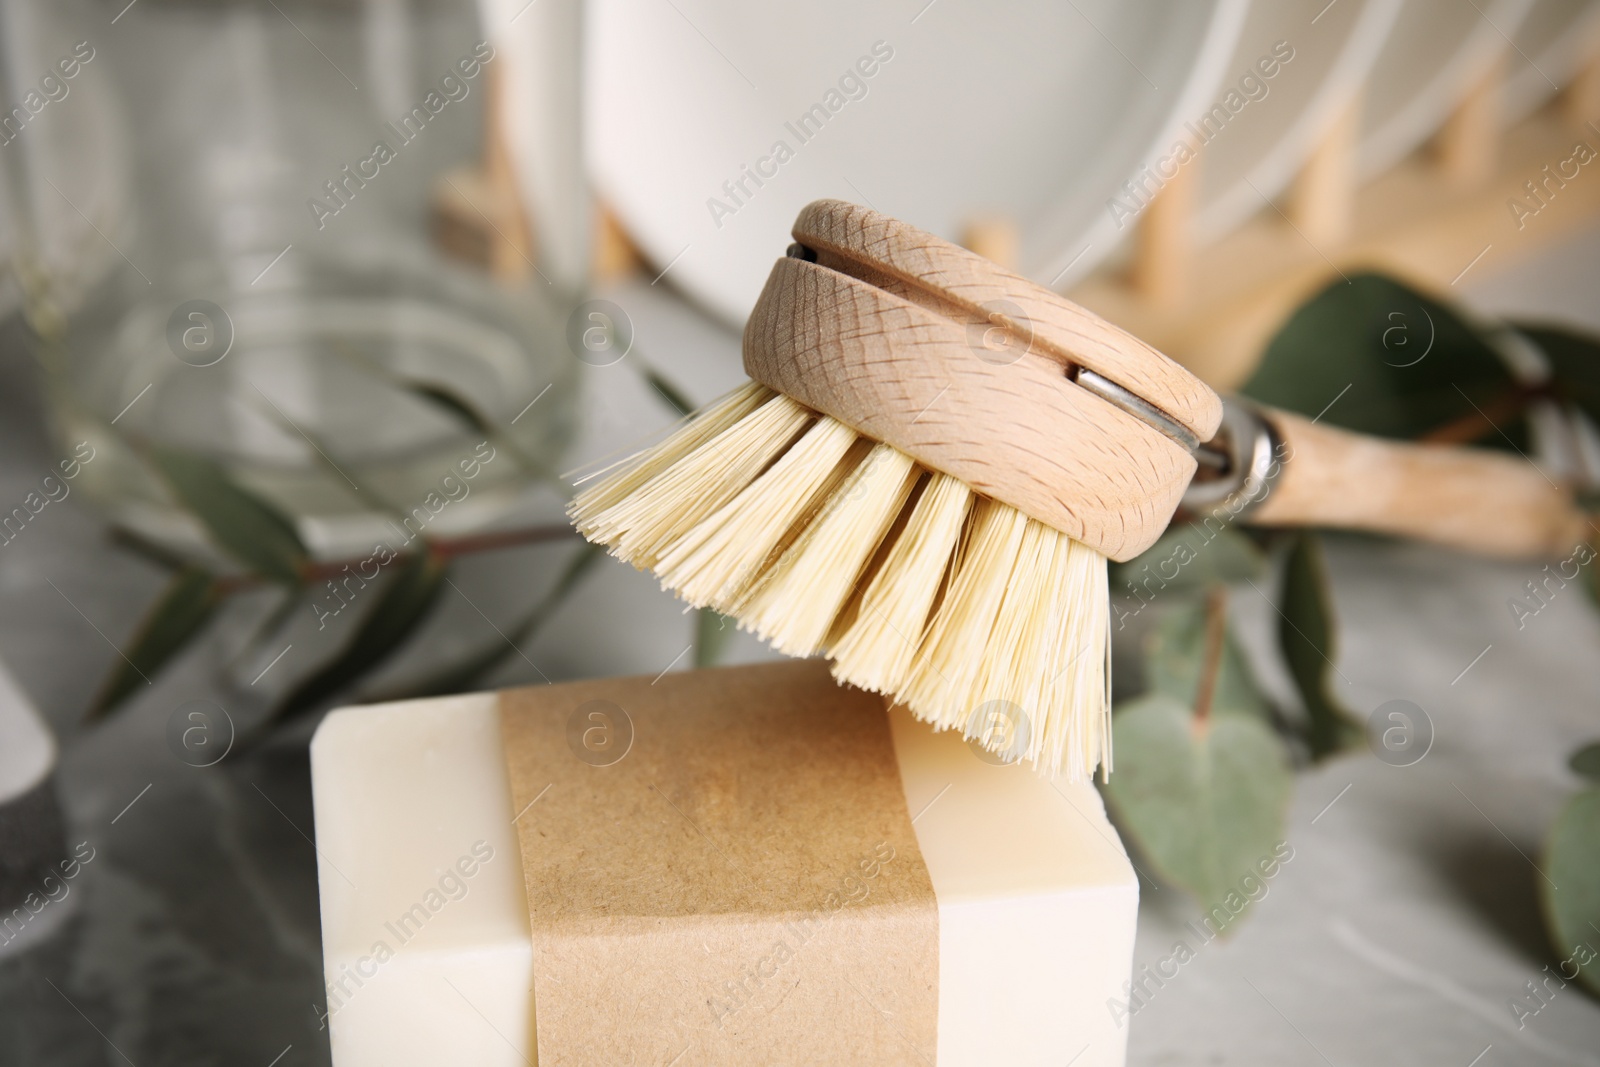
(1008, 423)
(1465, 498)
(889, 332)
(933, 272)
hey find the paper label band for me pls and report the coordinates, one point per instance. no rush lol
(721, 862)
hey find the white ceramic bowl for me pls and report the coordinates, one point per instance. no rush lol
(1256, 154)
(1031, 111)
(1435, 52)
(1551, 43)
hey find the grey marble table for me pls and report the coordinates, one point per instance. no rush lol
(1400, 932)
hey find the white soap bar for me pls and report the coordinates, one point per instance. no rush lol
(425, 924)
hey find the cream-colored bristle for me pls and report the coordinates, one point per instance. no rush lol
(1075, 705)
(708, 471)
(716, 561)
(1047, 655)
(622, 480)
(875, 649)
(1012, 651)
(942, 684)
(794, 603)
(945, 601)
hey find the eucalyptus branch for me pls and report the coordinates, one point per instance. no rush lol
(1478, 424)
(1211, 661)
(443, 548)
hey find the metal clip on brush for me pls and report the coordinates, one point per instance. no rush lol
(877, 324)
(938, 458)
(1273, 468)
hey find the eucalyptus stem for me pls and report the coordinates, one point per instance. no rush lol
(443, 549)
(1211, 663)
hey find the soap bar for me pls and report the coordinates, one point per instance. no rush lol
(425, 929)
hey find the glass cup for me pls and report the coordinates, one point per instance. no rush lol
(224, 250)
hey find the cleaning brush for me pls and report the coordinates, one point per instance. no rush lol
(923, 483)
(936, 457)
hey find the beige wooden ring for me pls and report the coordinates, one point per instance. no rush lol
(970, 370)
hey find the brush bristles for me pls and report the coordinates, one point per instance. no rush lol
(1048, 654)
(956, 605)
(946, 667)
(725, 554)
(650, 506)
(874, 648)
(797, 600)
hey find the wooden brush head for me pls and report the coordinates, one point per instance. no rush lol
(975, 371)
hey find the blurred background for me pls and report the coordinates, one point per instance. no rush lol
(310, 310)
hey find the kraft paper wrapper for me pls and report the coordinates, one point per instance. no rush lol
(742, 886)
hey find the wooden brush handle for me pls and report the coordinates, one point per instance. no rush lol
(1465, 498)
(885, 328)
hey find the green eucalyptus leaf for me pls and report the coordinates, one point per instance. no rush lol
(1205, 802)
(666, 390)
(1189, 557)
(292, 603)
(247, 527)
(447, 398)
(1306, 636)
(1586, 762)
(185, 605)
(711, 633)
(1174, 658)
(150, 551)
(450, 400)
(469, 413)
(464, 672)
(436, 393)
(1378, 357)
(1571, 888)
(405, 600)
